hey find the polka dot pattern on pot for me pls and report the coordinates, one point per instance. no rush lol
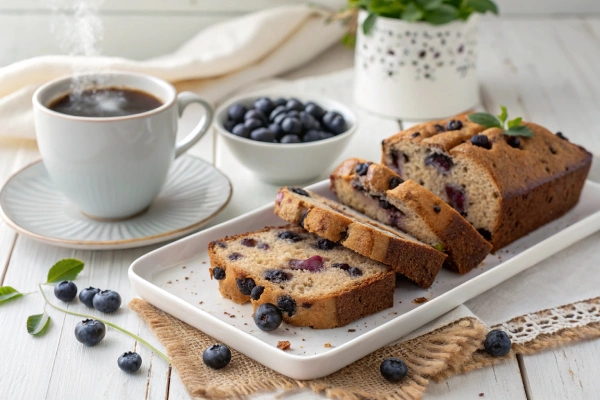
(421, 51)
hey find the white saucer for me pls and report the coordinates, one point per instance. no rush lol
(194, 193)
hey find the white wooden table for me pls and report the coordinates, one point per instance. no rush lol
(545, 70)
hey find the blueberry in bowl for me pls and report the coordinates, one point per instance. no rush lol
(285, 138)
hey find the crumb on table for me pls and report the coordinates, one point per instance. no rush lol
(327, 345)
(283, 345)
(351, 330)
(420, 300)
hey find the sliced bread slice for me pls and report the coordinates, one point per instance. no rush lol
(380, 193)
(314, 281)
(417, 261)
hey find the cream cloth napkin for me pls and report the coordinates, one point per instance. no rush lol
(220, 59)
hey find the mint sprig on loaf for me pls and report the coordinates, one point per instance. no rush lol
(511, 127)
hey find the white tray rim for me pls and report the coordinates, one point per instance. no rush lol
(316, 366)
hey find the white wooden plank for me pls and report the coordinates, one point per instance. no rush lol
(30, 360)
(13, 156)
(530, 7)
(568, 372)
(501, 381)
(203, 6)
(543, 82)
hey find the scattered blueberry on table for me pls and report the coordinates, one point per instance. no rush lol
(393, 369)
(107, 301)
(497, 343)
(87, 296)
(129, 361)
(90, 332)
(283, 121)
(268, 317)
(65, 291)
(217, 356)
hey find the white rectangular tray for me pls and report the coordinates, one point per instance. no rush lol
(175, 279)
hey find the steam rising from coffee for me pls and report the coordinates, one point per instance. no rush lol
(79, 30)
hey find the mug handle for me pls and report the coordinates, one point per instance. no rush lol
(183, 100)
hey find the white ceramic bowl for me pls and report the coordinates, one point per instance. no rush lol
(283, 164)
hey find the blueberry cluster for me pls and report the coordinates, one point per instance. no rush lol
(106, 301)
(90, 332)
(284, 121)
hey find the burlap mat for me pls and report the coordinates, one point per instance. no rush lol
(454, 348)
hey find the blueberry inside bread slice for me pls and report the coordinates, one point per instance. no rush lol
(315, 282)
(331, 220)
(505, 186)
(381, 194)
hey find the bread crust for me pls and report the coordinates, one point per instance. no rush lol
(333, 309)
(464, 246)
(537, 182)
(417, 261)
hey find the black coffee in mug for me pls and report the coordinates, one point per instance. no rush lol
(105, 102)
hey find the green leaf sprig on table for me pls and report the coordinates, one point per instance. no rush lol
(66, 269)
(435, 12)
(511, 127)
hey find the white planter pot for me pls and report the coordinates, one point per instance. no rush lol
(415, 70)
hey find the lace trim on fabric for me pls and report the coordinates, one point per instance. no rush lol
(528, 327)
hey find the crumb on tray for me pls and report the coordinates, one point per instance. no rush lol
(283, 345)
(420, 300)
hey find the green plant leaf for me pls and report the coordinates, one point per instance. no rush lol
(412, 13)
(503, 115)
(37, 324)
(456, 3)
(8, 293)
(349, 40)
(514, 122)
(483, 6)
(65, 270)
(429, 5)
(520, 130)
(369, 23)
(485, 119)
(442, 15)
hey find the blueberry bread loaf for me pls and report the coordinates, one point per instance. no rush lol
(381, 194)
(505, 186)
(417, 261)
(314, 282)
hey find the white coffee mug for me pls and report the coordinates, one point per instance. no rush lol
(113, 167)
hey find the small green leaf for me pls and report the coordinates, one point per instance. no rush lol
(8, 293)
(439, 246)
(37, 324)
(369, 23)
(503, 115)
(485, 119)
(429, 5)
(520, 130)
(412, 13)
(514, 122)
(442, 15)
(483, 6)
(349, 40)
(65, 270)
